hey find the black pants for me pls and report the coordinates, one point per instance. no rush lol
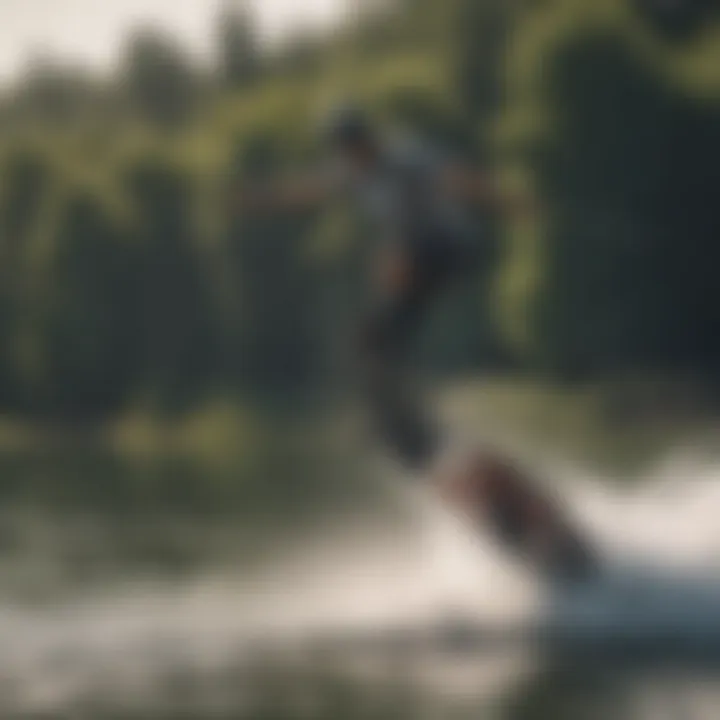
(397, 411)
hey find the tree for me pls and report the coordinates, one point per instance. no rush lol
(625, 165)
(238, 45)
(274, 339)
(157, 78)
(677, 20)
(53, 93)
(177, 342)
(26, 181)
(479, 31)
(79, 320)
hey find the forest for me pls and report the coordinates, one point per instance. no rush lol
(129, 278)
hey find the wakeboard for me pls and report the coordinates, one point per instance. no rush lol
(494, 491)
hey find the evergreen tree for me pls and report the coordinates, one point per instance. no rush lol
(239, 47)
(158, 79)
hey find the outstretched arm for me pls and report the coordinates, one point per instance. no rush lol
(480, 188)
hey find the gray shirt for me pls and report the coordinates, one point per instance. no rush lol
(404, 196)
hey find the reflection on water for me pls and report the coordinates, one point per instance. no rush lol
(284, 589)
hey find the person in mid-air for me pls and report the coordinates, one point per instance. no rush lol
(416, 201)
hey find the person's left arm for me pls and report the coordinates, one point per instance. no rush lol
(474, 186)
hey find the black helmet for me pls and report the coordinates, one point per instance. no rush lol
(347, 125)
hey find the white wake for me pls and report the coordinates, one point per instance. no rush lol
(660, 536)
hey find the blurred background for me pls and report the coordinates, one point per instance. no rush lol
(179, 461)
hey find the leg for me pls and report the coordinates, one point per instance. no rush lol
(395, 406)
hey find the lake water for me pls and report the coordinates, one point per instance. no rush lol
(173, 589)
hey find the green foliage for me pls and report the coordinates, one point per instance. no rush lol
(172, 292)
(129, 279)
(157, 79)
(82, 318)
(25, 184)
(239, 51)
(625, 160)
